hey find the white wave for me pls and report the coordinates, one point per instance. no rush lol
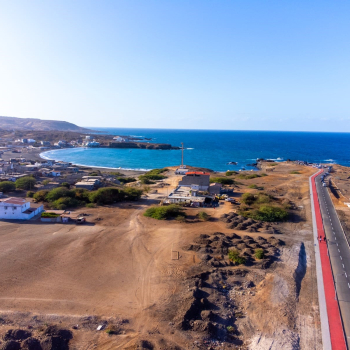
(189, 148)
(329, 160)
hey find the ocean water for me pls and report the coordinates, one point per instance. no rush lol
(213, 149)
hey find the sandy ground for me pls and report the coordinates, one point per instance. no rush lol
(123, 270)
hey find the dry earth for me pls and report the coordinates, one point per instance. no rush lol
(121, 271)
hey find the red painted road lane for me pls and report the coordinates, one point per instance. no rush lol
(334, 319)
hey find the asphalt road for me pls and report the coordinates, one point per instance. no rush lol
(339, 251)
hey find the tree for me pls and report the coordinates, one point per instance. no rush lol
(7, 186)
(25, 183)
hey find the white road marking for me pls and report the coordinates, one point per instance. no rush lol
(346, 275)
(341, 258)
(343, 266)
(338, 250)
(348, 285)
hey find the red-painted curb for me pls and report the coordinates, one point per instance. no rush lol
(334, 318)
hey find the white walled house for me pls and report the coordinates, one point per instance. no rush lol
(13, 208)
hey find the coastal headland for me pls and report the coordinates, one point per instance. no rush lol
(142, 145)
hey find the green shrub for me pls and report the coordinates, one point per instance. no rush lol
(40, 196)
(46, 182)
(126, 180)
(222, 180)
(81, 194)
(248, 198)
(25, 183)
(259, 253)
(59, 192)
(65, 184)
(180, 218)
(152, 177)
(30, 194)
(272, 164)
(49, 215)
(116, 173)
(234, 256)
(107, 195)
(248, 176)
(262, 198)
(268, 213)
(203, 216)
(7, 186)
(263, 174)
(132, 194)
(94, 173)
(90, 205)
(230, 329)
(231, 172)
(65, 202)
(163, 213)
(294, 172)
(260, 188)
(146, 181)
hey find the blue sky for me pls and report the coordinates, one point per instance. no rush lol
(260, 65)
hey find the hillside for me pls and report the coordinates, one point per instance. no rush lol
(13, 123)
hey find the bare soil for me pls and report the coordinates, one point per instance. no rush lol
(165, 284)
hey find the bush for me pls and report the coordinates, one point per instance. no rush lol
(94, 173)
(107, 195)
(222, 180)
(40, 196)
(132, 194)
(294, 172)
(25, 183)
(231, 172)
(59, 192)
(49, 215)
(126, 180)
(7, 186)
(234, 256)
(180, 218)
(154, 174)
(65, 202)
(248, 198)
(46, 182)
(81, 194)
(30, 194)
(90, 205)
(146, 181)
(259, 253)
(203, 216)
(65, 184)
(163, 213)
(248, 176)
(272, 164)
(262, 198)
(268, 213)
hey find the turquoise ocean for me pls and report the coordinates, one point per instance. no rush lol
(212, 149)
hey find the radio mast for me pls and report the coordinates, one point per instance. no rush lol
(182, 155)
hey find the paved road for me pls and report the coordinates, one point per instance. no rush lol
(339, 251)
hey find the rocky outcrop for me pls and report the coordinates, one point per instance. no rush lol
(142, 145)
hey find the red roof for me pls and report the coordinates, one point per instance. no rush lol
(13, 200)
(197, 173)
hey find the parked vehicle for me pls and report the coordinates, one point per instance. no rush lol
(80, 220)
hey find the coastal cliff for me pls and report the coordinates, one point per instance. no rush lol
(142, 145)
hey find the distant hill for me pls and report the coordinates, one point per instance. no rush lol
(13, 123)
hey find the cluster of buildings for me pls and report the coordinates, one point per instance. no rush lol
(194, 190)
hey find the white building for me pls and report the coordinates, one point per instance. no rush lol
(120, 139)
(18, 209)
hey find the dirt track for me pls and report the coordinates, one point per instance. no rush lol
(121, 267)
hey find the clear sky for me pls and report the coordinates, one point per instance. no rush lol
(261, 65)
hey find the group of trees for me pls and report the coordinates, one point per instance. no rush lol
(263, 207)
(62, 197)
(23, 183)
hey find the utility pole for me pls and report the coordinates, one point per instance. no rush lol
(182, 155)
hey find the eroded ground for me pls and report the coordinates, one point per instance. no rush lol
(138, 278)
